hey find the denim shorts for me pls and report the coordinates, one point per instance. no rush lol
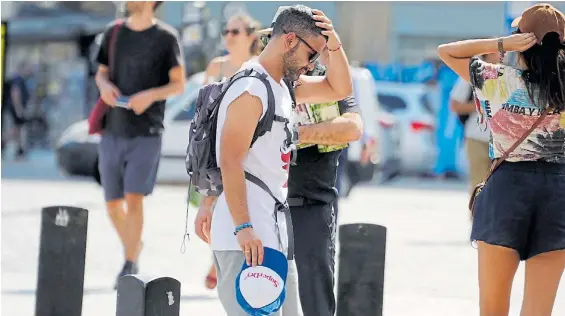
(128, 165)
(522, 207)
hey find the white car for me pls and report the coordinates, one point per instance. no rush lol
(415, 117)
(379, 142)
(77, 152)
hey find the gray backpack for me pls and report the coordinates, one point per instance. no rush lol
(201, 164)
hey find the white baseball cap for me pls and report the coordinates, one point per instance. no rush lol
(261, 290)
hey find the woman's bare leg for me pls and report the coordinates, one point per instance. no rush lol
(543, 274)
(497, 267)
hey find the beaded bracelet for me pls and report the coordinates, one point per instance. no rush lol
(242, 227)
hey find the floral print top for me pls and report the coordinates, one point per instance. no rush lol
(503, 103)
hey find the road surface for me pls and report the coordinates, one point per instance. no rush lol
(431, 266)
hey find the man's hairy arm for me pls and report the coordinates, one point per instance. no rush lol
(242, 117)
(343, 129)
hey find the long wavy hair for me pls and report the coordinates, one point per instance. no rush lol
(545, 73)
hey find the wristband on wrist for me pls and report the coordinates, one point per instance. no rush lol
(335, 50)
(242, 227)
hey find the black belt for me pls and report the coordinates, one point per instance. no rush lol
(299, 201)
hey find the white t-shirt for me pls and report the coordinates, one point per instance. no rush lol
(268, 160)
(460, 92)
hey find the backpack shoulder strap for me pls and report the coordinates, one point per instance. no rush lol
(266, 123)
(262, 185)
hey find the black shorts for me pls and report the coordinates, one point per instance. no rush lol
(522, 207)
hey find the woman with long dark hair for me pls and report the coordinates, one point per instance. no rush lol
(519, 214)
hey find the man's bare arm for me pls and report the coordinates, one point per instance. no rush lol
(341, 130)
(336, 84)
(209, 202)
(175, 86)
(102, 77)
(141, 101)
(241, 120)
(108, 92)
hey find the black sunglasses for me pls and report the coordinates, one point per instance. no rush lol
(235, 32)
(314, 55)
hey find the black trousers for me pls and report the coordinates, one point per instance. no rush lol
(314, 241)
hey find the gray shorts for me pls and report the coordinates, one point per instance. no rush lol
(128, 165)
(228, 264)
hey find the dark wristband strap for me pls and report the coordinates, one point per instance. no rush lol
(335, 50)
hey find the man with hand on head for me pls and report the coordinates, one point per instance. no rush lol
(243, 221)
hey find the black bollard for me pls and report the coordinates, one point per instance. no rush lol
(361, 270)
(62, 251)
(144, 296)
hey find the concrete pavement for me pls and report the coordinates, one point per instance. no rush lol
(431, 266)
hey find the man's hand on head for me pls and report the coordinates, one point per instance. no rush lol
(325, 23)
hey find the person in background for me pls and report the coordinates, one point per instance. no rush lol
(16, 104)
(519, 215)
(477, 134)
(242, 44)
(148, 67)
(313, 200)
(449, 132)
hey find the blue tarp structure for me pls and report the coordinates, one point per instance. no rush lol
(449, 131)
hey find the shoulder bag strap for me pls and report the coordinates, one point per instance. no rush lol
(497, 162)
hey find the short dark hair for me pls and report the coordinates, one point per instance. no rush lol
(296, 19)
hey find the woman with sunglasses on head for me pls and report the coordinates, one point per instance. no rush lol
(242, 44)
(520, 212)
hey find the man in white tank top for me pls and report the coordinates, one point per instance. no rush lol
(243, 222)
